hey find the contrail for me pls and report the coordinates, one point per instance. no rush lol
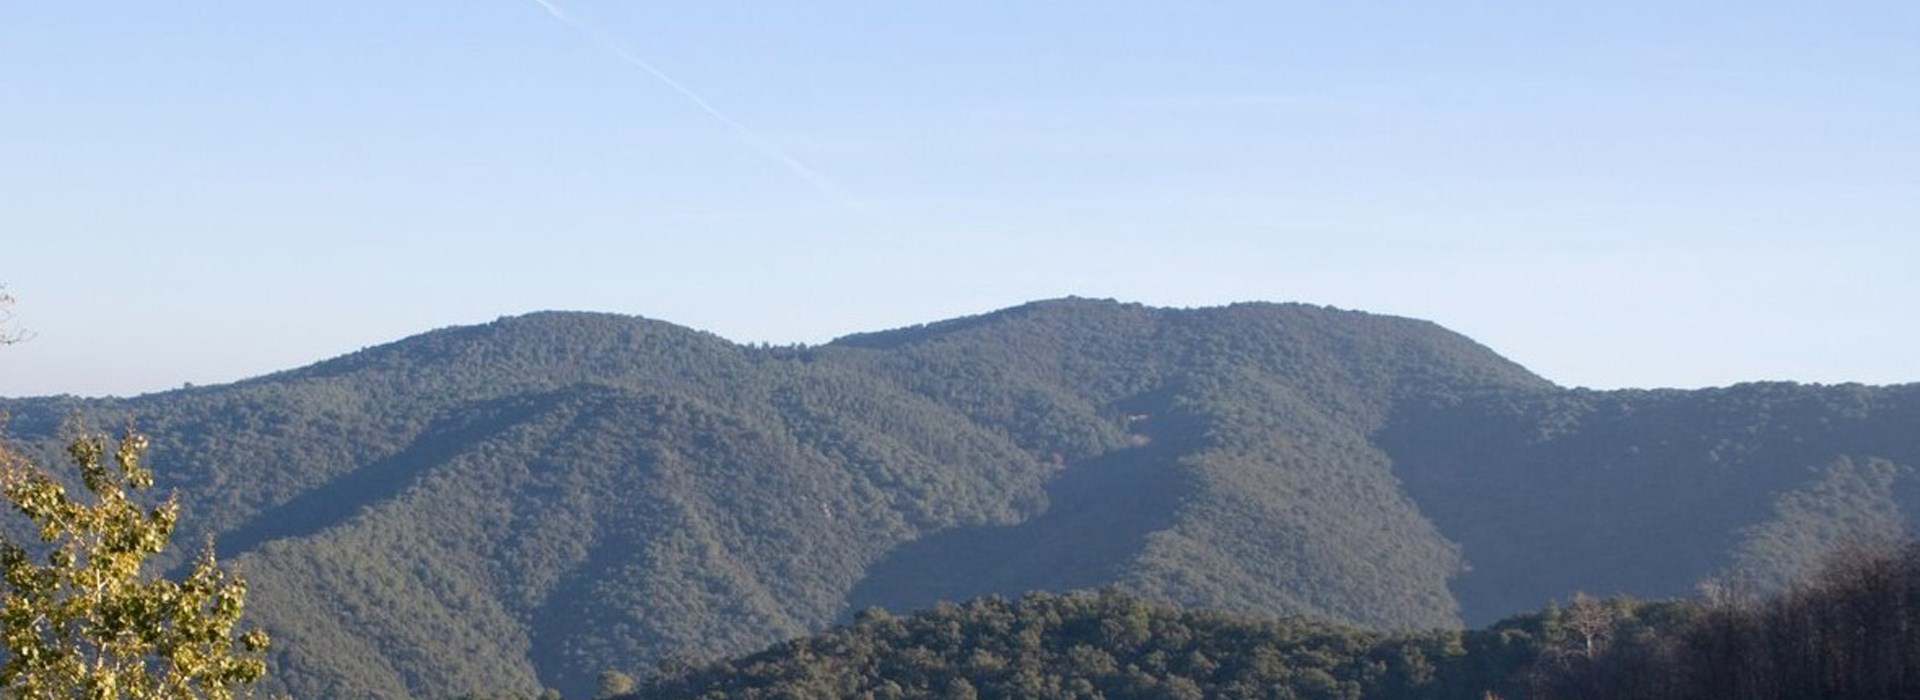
(753, 138)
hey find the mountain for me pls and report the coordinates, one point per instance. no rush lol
(530, 501)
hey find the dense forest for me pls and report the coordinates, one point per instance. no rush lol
(530, 502)
(1850, 631)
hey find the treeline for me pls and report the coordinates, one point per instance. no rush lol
(1084, 645)
(1853, 631)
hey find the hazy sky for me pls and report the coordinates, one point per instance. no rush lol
(1613, 194)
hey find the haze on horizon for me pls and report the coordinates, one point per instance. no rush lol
(1633, 195)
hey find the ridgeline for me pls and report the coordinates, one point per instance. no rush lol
(528, 502)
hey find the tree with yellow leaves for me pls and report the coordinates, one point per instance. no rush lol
(81, 620)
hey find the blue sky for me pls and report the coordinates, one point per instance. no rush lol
(1613, 194)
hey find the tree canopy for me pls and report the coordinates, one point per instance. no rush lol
(81, 619)
(1849, 631)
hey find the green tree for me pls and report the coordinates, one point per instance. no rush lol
(81, 620)
(613, 683)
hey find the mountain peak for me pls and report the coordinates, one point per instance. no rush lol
(539, 342)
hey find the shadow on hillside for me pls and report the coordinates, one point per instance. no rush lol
(1099, 515)
(1644, 493)
(323, 507)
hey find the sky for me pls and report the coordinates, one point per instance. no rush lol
(1622, 194)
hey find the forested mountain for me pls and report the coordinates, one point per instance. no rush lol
(531, 501)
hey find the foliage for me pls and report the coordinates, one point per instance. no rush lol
(1082, 645)
(1649, 492)
(1851, 630)
(1850, 504)
(527, 502)
(81, 620)
(613, 683)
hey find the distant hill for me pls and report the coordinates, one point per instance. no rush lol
(1104, 645)
(530, 501)
(1850, 630)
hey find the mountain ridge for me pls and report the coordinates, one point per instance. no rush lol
(532, 500)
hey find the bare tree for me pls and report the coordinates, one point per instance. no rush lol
(1592, 620)
(7, 337)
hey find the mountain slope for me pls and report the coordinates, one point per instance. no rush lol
(1620, 491)
(530, 501)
